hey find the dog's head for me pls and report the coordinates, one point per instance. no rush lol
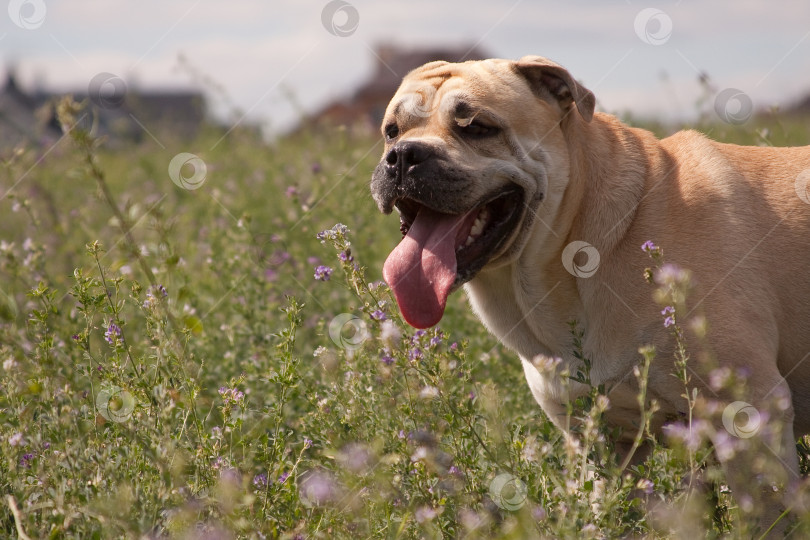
(469, 152)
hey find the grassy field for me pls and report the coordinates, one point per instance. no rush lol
(207, 363)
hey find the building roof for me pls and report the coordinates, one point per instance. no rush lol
(366, 105)
(29, 118)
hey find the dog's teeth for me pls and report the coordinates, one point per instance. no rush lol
(477, 227)
(479, 224)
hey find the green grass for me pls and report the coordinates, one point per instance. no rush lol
(225, 406)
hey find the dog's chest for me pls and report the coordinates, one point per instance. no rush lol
(534, 321)
(522, 318)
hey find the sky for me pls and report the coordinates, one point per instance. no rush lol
(272, 60)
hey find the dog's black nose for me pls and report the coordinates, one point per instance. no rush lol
(406, 154)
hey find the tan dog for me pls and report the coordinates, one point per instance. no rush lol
(496, 167)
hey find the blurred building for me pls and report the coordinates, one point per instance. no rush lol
(799, 108)
(366, 106)
(19, 121)
(29, 117)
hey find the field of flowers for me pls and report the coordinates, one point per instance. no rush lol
(201, 347)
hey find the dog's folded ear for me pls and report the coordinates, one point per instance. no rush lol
(545, 76)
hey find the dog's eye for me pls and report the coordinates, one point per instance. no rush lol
(478, 129)
(391, 131)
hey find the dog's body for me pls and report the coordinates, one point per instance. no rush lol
(729, 214)
(506, 164)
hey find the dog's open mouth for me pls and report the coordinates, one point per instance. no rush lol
(439, 252)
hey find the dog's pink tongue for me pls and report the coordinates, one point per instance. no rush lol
(422, 268)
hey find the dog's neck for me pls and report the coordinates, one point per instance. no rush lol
(606, 181)
(528, 303)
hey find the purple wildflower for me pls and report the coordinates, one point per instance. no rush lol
(345, 256)
(291, 191)
(719, 378)
(387, 360)
(26, 460)
(415, 354)
(690, 436)
(424, 513)
(231, 396)
(669, 312)
(162, 290)
(113, 334)
(724, 446)
(417, 336)
(649, 247)
(378, 315)
(670, 274)
(317, 487)
(323, 273)
(334, 233)
(645, 485)
(260, 480)
(307, 443)
(283, 477)
(454, 346)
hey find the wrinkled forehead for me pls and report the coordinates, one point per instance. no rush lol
(459, 88)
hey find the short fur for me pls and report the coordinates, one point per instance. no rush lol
(730, 214)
